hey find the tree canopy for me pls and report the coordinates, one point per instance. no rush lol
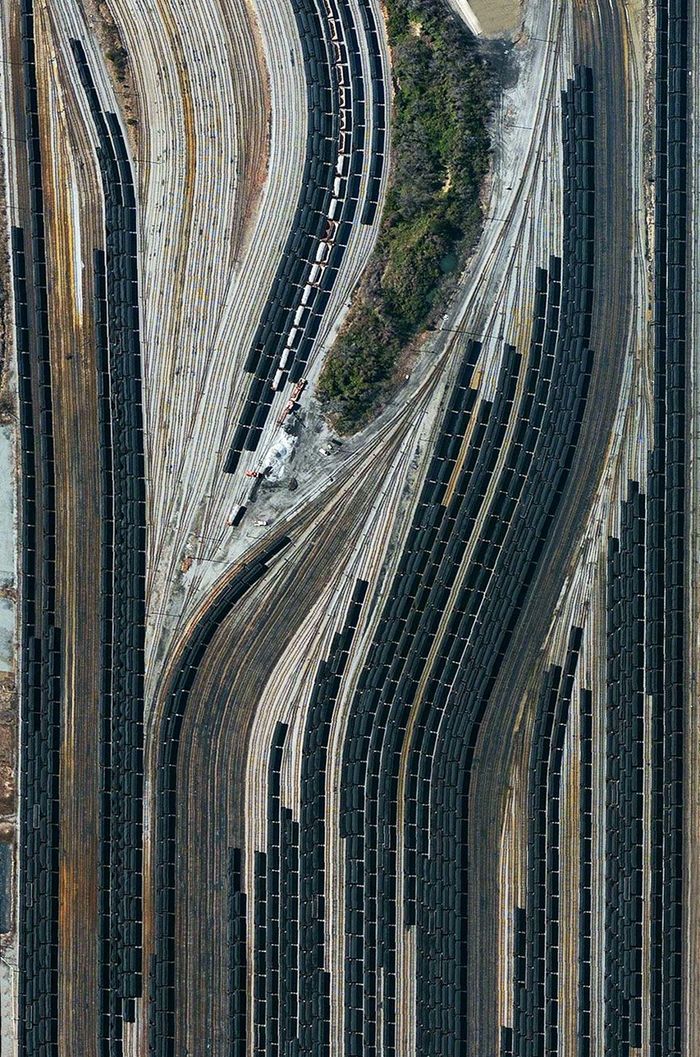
(432, 215)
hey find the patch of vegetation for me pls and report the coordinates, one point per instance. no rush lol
(432, 216)
(119, 57)
(7, 406)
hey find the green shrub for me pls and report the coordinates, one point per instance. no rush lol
(440, 150)
(362, 360)
(119, 58)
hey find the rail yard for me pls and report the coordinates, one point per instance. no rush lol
(324, 745)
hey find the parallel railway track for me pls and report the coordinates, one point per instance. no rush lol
(312, 778)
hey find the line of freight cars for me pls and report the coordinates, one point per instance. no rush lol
(279, 994)
(375, 794)
(293, 312)
(314, 1028)
(585, 930)
(529, 968)
(325, 211)
(353, 112)
(519, 949)
(162, 1017)
(442, 951)
(370, 797)
(536, 948)
(624, 779)
(418, 636)
(666, 523)
(379, 119)
(665, 552)
(663, 622)
(40, 638)
(535, 1009)
(535, 1016)
(291, 986)
(104, 417)
(530, 417)
(270, 1033)
(123, 573)
(41, 676)
(442, 796)
(568, 395)
(382, 707)
(423, 542)
(238, 957)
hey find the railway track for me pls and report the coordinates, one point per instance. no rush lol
(40, 634)
(405, 775)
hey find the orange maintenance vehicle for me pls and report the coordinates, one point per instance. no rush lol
(291, 404)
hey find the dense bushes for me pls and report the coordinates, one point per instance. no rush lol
(432, 216)
(119, 58)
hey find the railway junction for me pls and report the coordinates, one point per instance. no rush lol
(374, 745)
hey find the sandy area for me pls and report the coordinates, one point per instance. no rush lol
(7, 512)
(490, 18)
(7, 550)
(7, 634)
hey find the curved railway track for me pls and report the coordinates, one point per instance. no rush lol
(404, 775)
